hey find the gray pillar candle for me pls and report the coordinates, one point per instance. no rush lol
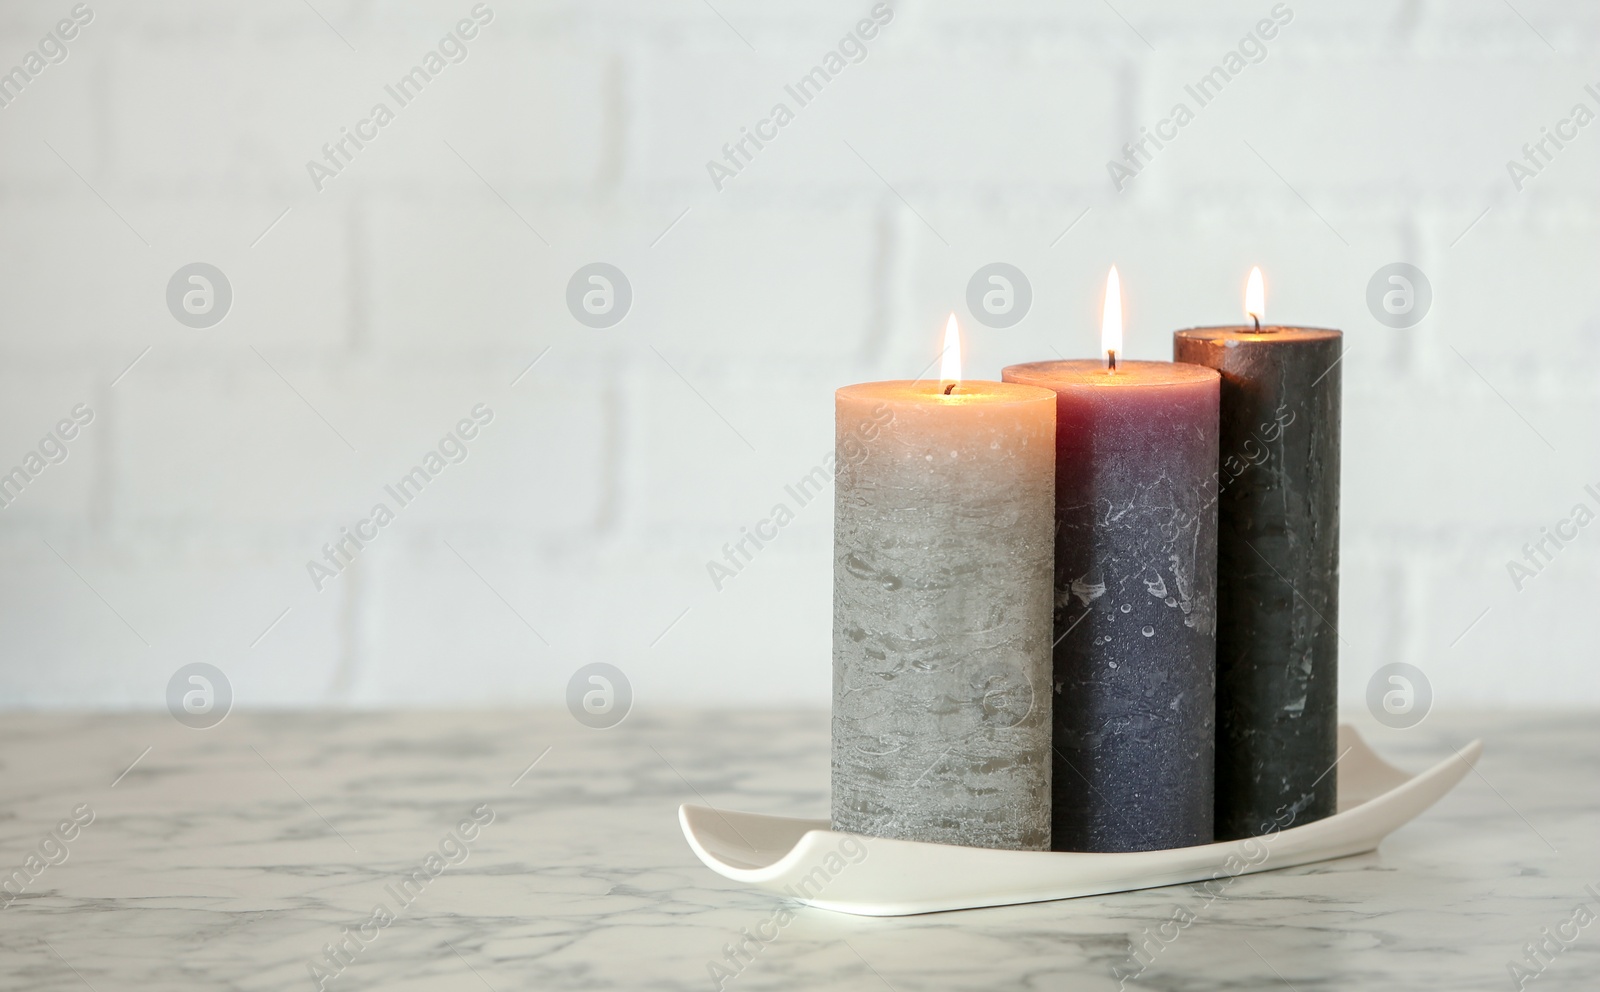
(1135, 606)
(941, 612)
(1278, 556)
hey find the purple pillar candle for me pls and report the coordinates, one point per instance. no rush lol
(1135, 601)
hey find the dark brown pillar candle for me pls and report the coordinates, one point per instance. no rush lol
(1277, 493)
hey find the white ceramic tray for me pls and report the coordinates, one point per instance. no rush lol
(871, 876)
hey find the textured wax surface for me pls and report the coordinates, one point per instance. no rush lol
(1135, 607)
(1278, 554)
(941, 639)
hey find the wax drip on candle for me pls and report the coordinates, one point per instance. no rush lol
(1111, 321)
(950, 359)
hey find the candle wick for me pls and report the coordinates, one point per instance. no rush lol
(950, 389)
(1111, 361)
(1257, 319)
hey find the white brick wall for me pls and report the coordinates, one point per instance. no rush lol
(412, 288)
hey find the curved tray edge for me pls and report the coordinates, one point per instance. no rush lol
(806, 861)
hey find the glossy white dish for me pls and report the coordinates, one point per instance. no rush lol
(870, 876)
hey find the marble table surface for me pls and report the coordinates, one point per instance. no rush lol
(234, 857)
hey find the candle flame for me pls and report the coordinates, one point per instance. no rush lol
(1255, 297)
(950, 359)
(1111, 320)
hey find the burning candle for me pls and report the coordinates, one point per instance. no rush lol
(1135, 596)
(1278, 555)
(945, 503)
